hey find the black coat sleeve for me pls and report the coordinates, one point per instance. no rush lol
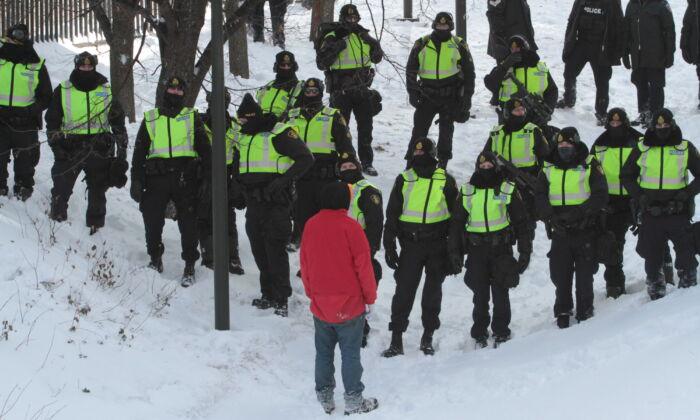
(552, 92)
(451, 192)
(520, 220)
(686, 31)
(341, 135)
(599, 191)
(202, 145)
(412, 66)
(571, 31)
(116, 117)
(290, 145)
(370, 203)
(43, 93)
(375, 54)
(331, 46)
(138, 159)
(668, 29)
(694, 168)
(494, 79)
(543, 208)
(458, 223)
(393, 212)
(54, 113)
(468, 73)
(496, 15)
(629, 174)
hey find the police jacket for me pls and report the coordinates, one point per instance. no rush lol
(690, 34)
(541, 146)
(617, 202)
(650, 34)
(494, 79)
(331, 47)
(598, 22)
(507, 18)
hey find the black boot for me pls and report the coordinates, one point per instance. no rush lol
(481, 342)
(22, 193)
(426, 343)
(282, 309)
(668, 266)
(563, 320)
(206, 246)
(500, 339)
(263, 302)
(569, 99)
(188, 275)
(368, 169)
(687, 278)
(582, 316)
(234, 262)
(396, 346)
(656, 286)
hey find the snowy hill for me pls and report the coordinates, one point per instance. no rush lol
(86, 331)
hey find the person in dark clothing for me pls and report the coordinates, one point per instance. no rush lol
(205, 222)
(171, 148)
(656, 176)
(488, 218)
(418, 214)
(572, 192)
(272, 156)
(651, 43)
(690, 38)
(347, 54)
(281, 95)
(445, 67)
(278, 9)
(366, 207)
(84, 124)
(594, 35)
(25, 92)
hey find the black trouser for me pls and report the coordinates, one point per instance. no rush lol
(278, 8)
(268, 228)
(205, 223)
(423, 120)
(414, 258)
(377, 276)
(650, 85)
(64, 174)
(308, 200)
(697, 71)
(618, 223)
(573, 253)
(23, 144)
(654, 234)
(481, 261)
(182, 190)
(602, 72)
(357, 101)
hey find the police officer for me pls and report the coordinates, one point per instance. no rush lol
(281, 94)
(272, 156)
(656, 175)
(171, 148)
(594, 35)
(235, 196)
(365, 207)
(444, 65)
(572, 192)
(651, 42)
(25, 92)
(690, 38)
(84, 122)
(418, 214)
(348, 53)
(278, 8)
(325, 133)
(488, 218)
(526, 66)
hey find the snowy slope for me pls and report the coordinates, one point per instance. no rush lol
(86, 331)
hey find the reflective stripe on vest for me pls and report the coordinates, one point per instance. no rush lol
(569, 187)
(612, 159)
(18, 83)
(434, 64)
(171, 137)
(517, 147)
(663, 168)
(534, 79)
(258, 154)
(488, 211)
(85, 112)
(355, 211)
(424, 199)
(275, 100)
(232, 137)
(317, 132)
(354, 56)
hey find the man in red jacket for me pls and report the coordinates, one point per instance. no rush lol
(339, 279)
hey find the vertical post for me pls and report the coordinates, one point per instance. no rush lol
(218, 173)
(408, 9)
(461, 12)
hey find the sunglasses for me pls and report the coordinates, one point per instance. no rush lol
(312, 91)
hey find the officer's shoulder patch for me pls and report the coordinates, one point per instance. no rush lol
(376, 199)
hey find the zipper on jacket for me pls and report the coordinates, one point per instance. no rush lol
(486, 213)
(639, 33)
(306, 130)
(619, 181)
(12, 83)
(563, 188)
(272, 104)
(247, 155)
(661, 175)
(87, 99)
(510, 147)
(427, 200)
(170, 140)
(437, 63)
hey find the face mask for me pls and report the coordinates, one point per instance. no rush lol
(311, 101)
(515, 121)
(663, 133)
(566, 153)
(285, 74)
(173, 101)
(442, 35)
(618, 132)
(424, 161)
(350, 176)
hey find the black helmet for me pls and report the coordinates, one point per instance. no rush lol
(227, 97)
(85, 58)
(285, 57)
(18, 32)
(444, 18)
(425, 145)
(510, 105)
(348, 10)
(568, 134)
(617, 114)
(313, 83)
(520, 41)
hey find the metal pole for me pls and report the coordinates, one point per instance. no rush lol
(218, 173)
(408, 9)
(461, 12)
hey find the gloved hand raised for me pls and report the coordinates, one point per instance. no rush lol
(511, 60)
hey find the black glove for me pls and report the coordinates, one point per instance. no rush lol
(523, 262)
(511, 60)
(626, 61)
(456, 262)
(391, 257)
(687, 57)
(669, 62)
(462, 113)
(136, 189)
(275, 187)
(341, 32)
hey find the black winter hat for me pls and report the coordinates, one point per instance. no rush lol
(348, 10)
(662, 116)
(444, 18)
(487, 156)
(85, 58)
(426, 145)
(520, 41)
(347, 157)
(335, 196)
(285, 57)
(617, 114)
(249, 108)
(568, 134)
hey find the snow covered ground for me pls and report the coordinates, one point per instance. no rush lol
(86, 331)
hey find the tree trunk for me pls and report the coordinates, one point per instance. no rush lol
(237, 46)
(322, 12)
(121, 55)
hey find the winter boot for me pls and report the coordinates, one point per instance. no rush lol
(582, 316)
(22, 193)
(687, 278)
(263, 302)
(234, 260)
(569, 99)
(481, 342)
(396, 346)
(282, 309)
(188, 275)
(642, 119)
(614, 291)
(563, 320)
(426, 343)
(325, 397)
(206, 246)
(656, 286)
(94, 229)
(494, 99)
(156, 263)
(614, 281)
(4, 191)
(58, 213)
(369, 169)
(601, 119)
(356, 404)
(500, 339)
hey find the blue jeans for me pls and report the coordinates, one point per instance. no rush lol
(349, 336)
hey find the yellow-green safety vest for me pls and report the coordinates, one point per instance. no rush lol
(436, 65)
(275, 100)
(171, 137)
(663, 168)
(18, 83)
(569, 187)
(317, 132)
(85, 112)
(535, 79)
(354, 56)
(258, 154)
(517, 147)
(355, 211)
(424, 200)
(233, 134)
(612, 159)
(488, 211)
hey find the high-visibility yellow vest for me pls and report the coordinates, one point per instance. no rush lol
(517, 147)
(487, 207)
(436, 65)
(354, 56)
(18, 83)
(355, 211)
(423, 198)
(85, 112)
(233, 133)
(535, 79)
(258, 154)
(612, 159)
(569, 187)
(171, 137)
(275, 100)
(663, 167)
(316, 132)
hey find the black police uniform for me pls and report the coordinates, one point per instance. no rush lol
(690, 38)
(278, 9)
(507, 18)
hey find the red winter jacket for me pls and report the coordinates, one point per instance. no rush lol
(336, 267)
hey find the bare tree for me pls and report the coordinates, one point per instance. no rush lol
(238, 47)
(321, 12)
